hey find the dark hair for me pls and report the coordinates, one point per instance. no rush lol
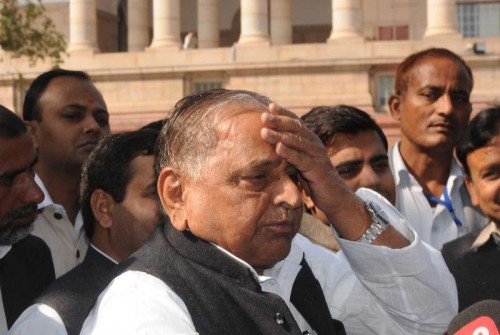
(155, 125)
(107, 168)
(402, 72)
(31, 108)
(480, 131)
(327, 122)
(188, 134)
(11, 126)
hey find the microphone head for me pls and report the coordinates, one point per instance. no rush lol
(482, 318)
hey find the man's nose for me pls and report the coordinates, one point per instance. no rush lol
(29, 191)
(445, 104)
(369, 178)
(91, 125)
(289, 193)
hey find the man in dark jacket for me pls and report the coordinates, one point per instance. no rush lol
(473, 259)
(25, 262)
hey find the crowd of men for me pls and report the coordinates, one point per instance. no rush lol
(235, 216)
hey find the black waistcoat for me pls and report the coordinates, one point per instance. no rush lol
(74, 294)
(25, 271)
(222, 295)
(476, 274)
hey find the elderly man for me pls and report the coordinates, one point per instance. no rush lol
(230, 261)
(67, 116)
(120, 211)
(25, 263)
(357, 148)
(473, 259)
(432, 104)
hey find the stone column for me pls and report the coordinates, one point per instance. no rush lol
(254, 22)
(166, 24)
(346, 20)
(441, 18)
(281, 22)
(82, 26)
(208, 24)
(137, 25)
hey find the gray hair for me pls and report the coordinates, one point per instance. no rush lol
(189, 135)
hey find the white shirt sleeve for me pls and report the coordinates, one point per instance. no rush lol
(38, 319)
(137, 303)
(408, 290)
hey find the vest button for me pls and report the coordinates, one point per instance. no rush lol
(279, 318)
(58, 216)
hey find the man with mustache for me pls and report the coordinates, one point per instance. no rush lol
(432, 104)
(25, 262)
(231, 261)
(66, 116)
(120, 210)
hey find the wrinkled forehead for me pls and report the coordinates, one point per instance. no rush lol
(235, 105)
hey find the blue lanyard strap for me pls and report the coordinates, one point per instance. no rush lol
(446, 203)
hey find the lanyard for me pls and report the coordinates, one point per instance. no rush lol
(446, 203)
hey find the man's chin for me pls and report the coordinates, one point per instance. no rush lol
(11, 236)
(279, 252)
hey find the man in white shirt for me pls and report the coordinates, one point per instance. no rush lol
(357, 148)
(67, 116)
(25, 263)
(120, 211)
(432, 104)
(228, 165)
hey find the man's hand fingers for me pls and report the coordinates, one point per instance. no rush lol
(276, 109)
(282, 123)
(292, 140)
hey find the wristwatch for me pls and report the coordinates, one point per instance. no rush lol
(380, 222)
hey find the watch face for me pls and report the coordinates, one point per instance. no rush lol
(380, 212)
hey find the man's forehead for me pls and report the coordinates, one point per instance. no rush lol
(365, 139)
(437, 69)
(72, 89)
(19, 158)
(141, 164)
(238, 116)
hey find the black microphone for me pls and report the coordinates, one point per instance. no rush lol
(482, 318)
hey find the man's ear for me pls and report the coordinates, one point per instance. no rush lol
(33, 130)
(472, 190)
(102, 205)
(171, 193)
(394, 107)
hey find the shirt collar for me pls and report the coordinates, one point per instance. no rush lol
(455, 179)
(285, 272)
(294, 258)
(47, 200)
(489, 231)
(242, 262)
(399, 166)
(4, 250)
(103, 253)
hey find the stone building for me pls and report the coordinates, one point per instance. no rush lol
(144, 55)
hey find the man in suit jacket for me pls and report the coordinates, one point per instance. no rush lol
(228, 164)
(473, 259)
(25, 262)
(120, 211)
